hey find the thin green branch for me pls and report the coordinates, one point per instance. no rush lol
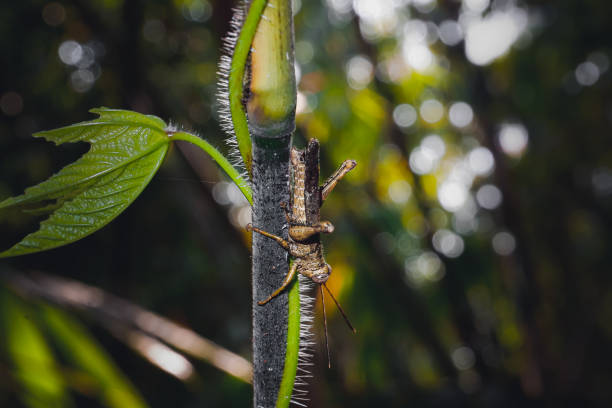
(293, 344)
(220, 159)
(236, 79)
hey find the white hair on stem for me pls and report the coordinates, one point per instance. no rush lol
(307, 342)
(223, 73)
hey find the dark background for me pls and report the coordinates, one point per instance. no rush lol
(458, 300)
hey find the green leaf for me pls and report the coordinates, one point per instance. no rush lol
(35, 368)
(115, 389)
(127, 149)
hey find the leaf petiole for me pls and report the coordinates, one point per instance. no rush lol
(221, 160)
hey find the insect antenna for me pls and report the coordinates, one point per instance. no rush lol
(325, 324)
(339, 308)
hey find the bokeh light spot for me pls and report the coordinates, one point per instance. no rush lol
(491, 37)
(304, 51)
(451, 32)
(464, 220)
(431, 110)
(54, 14)
(400, 191)
(418, 56)
(70, 52)
(601, 60)
(435, 144)
(341, 6)
(463, 357)
(460, 114)
(476, 6)
(448, 243)
(376, 18)
(426, 267)
(88, 57)
(82, 80)
(404, 115)
(421, 161)
(503, 243)
(513, 139)
(302, 104)
(489, 196)
(298, 72)
(587, 73)
(425, 158)
(11, 103)
(602, 181)
(359, 72)
(197, 10)
(481, 161)
(296, 6)
(424, 6)
(452, 195)
(415, 31)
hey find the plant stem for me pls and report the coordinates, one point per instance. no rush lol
(270, 264)
(271, 114)
(271, 106)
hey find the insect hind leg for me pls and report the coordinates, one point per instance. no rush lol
(282, 242)
(286, 282)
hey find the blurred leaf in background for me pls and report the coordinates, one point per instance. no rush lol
(35, 368)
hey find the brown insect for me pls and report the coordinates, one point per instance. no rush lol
(305, 226)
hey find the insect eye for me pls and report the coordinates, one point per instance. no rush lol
(320, 278)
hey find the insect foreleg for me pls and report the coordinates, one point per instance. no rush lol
(331, 182)
(278, 239)
(285, 283)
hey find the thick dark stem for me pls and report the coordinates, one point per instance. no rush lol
(270, 264)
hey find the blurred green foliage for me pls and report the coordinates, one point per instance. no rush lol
(470, 248)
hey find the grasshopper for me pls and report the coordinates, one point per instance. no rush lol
(305, 226)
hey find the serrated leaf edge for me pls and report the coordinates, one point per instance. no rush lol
(37, 197)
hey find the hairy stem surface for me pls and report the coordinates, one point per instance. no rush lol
(271, 123)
